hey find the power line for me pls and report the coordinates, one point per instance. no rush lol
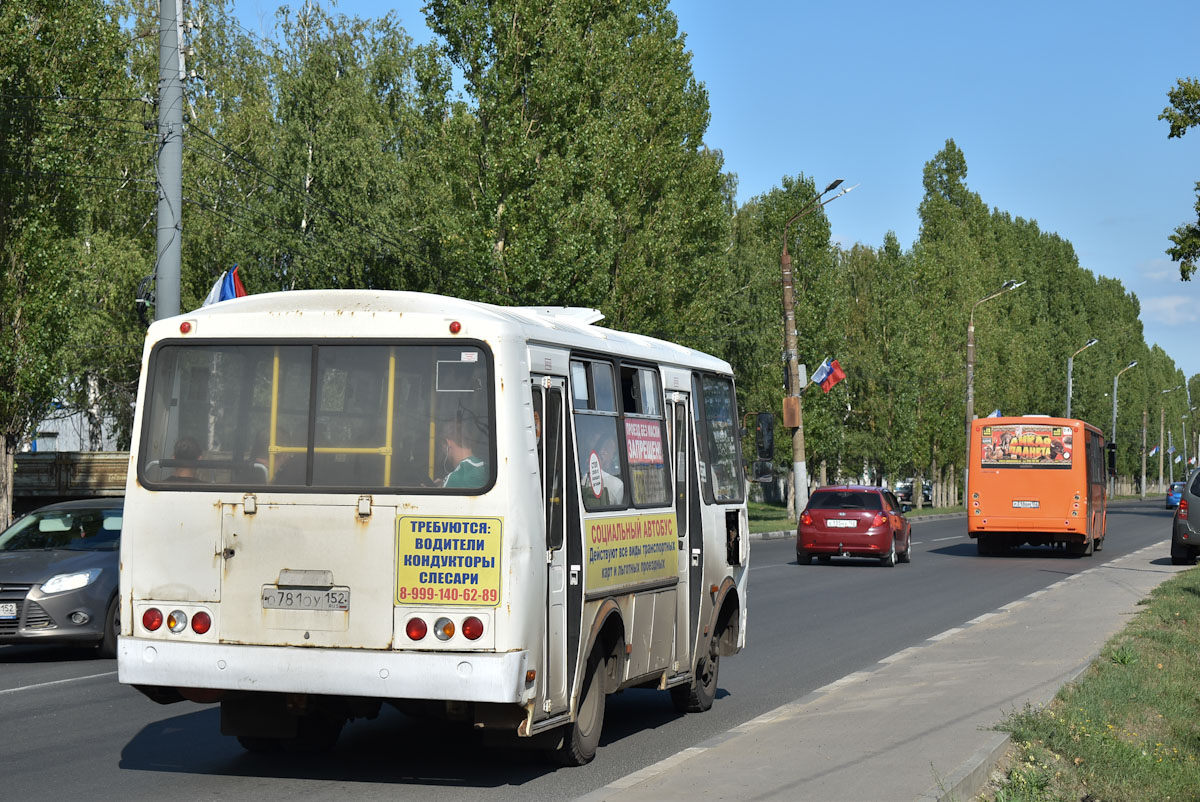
(82, 177)
(310, 198)
(142, 99)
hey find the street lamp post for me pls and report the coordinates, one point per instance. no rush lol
(1132, 364)
(1162, 426)
(793, 408)
(1005, 287)
(1185, 460)
(1071, 369)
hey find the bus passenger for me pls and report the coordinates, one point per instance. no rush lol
(186, 450)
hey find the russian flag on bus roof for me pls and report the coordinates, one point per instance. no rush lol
(229, 285)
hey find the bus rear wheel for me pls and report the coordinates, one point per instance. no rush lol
(698, 695)
(583, 735)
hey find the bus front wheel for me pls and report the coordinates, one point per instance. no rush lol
(583, 735)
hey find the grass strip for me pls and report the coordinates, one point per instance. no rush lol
(1129, 727)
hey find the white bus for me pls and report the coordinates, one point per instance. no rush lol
(500, 515)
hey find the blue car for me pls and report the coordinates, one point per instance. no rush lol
(1173, 495)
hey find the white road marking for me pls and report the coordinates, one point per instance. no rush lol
(939, 539)
(56, 682)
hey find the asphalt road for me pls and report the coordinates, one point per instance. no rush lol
(68, 728)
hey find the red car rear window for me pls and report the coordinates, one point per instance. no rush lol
(845, 500)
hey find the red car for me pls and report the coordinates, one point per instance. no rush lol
(853, 521)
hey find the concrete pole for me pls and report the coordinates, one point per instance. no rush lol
(169, 229)
(1162, 426)
(1144, 413)
(1070, 372)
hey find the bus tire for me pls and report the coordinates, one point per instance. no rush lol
(983, 545)
(315, 733)
(107, 648)
(579, 744)
(261, 746)
(698, 695)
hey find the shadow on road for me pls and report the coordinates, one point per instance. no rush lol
(47, 653)
(393, 748)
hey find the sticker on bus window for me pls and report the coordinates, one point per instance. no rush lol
(448, 560)
(1026, 445)
(631, 549)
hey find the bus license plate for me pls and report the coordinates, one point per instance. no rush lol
(276, 598)
(1025, 505)
(8, 610)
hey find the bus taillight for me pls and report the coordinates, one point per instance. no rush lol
(444, 629)
(415, 629)
(472, 628)
(201, 622)
(152, 619)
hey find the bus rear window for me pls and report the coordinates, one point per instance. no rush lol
(305, 416)
(1025, 445)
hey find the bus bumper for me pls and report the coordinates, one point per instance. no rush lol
(458, 676)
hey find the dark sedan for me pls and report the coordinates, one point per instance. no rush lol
(59, 575)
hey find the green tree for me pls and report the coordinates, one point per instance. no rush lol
(64, 127)
(1182, 113)
(581, 177)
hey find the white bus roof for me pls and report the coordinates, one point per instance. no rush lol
(377, 313)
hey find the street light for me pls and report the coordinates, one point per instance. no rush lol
(1071, 368)
(793, 413)
(1005, 287)
(1162, 426)
(1132, 364)
(1185, 440)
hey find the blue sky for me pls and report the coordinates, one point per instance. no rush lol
(1054, 103)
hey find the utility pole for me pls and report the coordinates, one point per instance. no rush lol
(169, 222)
(1144, 414)
(793, 407)
(1162, 425)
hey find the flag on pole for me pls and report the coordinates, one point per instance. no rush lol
(229, 285)
(1179, 458)
(829, 374)
(1153, 451)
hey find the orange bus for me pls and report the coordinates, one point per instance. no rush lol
(1036, 480)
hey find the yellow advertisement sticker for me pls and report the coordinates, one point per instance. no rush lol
(630, 549)
(447, 560)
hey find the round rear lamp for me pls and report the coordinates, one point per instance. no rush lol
(444, 629)
(472, 628)
(201, 622)
(177, 621)
(455, 327)
(152, 619)
(185, 327)
(415, 629)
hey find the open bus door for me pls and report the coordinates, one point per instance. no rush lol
(691, 534)
(551, 441)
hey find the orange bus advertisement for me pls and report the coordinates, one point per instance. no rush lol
(1025, 445)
